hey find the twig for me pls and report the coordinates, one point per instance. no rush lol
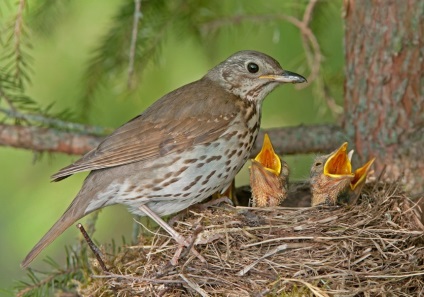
(317, 291)
(279, 248)
(314, 56)
(194, 286)
(135, 278)
(43, 282)
(304, 29)
(137, 16)
(17, 34)
(397, 275)
(309, 41)
(93, 247)
(196, 233)
(307, 15)
(8, 100)
(55, 123)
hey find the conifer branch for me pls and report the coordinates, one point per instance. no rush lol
(17, 45)
(50, 122)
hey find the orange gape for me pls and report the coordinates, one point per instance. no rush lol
(268, 177)
(267, 156)
(332, 178)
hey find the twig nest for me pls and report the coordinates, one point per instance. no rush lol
(374, 248)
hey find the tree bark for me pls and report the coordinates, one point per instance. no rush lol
(40, 139)
(384, 87)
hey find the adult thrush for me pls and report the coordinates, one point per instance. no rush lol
(269, 177)
(186, 146)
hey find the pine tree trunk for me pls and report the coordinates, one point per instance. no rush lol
(384, 87)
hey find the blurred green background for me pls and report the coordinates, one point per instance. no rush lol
(31, 204)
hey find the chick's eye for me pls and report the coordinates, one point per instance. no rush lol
(318, 164)
(252, 67)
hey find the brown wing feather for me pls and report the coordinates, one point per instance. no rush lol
(160, 131)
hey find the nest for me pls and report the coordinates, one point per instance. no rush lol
(374, 248)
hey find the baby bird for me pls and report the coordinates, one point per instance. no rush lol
(269, 177)
(330, 176)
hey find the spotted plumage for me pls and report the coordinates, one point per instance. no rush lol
(182, 149)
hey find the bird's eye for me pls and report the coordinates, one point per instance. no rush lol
(252, 67)
(318, 164)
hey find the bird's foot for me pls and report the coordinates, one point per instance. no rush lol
(181, 240)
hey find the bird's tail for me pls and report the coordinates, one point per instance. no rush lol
(71, 215)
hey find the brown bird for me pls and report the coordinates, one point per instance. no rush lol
(330, 176)
(186, 146)
(269, 177)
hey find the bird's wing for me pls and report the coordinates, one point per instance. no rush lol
(155, 133)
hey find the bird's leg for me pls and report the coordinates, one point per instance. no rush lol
(177, 255)
(196, 232)
(177, 236)
(136, 229)
(229, 196)
(230, 192)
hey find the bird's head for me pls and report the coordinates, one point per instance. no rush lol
(252, 75)
(330, 175)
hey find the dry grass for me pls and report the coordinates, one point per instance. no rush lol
(375, 248)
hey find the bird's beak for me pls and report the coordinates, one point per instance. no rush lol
(338, 164)
(361, 174)
(285, 77)
(268, 158)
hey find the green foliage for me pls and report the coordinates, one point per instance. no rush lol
(56, 278)
(16, 71)
(15, 60)
(44, 15)
(110, 58)
(113, 58)
(202, 21)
